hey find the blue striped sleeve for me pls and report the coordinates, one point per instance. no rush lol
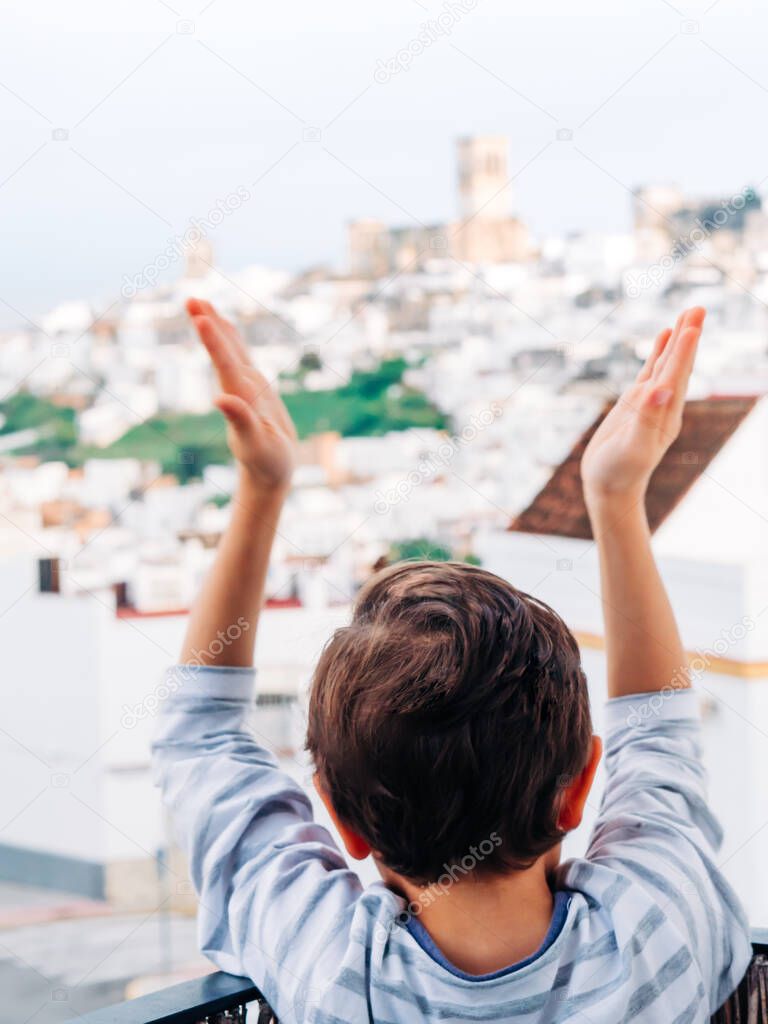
(270, 881)
(656, 828)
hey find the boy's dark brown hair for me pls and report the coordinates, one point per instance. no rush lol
(452, 710)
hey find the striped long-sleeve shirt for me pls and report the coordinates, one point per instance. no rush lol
(645, 927)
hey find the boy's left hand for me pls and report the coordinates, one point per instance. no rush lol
(635, 435)
(260, 433)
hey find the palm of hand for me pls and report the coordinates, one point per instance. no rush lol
(634, 436)
(267, 448)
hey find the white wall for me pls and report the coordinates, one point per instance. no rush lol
(50, 717)
(75, 762)
(725, 514)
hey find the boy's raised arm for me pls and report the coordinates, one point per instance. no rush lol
(643, 647)
(263, 440)
(258, 861)
(655, 826)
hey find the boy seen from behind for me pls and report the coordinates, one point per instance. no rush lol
(451, 737)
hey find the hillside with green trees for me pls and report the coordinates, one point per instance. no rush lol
(422, 549)
(373, 402)
(55, 426)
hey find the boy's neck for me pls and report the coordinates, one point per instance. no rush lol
(486, 924)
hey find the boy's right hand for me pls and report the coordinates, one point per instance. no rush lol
(261, 434)
(635, 435)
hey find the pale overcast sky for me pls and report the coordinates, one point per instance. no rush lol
(171, 105)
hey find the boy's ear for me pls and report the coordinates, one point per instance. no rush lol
(356, 847)
(574, 796)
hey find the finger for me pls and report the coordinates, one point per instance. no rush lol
(267, 395)
(693, 317)
(262, 390)
(198, 307)
(696, 317)
(283, 416)
(253, 431)
(228, 367)
(658, 347)
(201, 307)
(234, 336)
(678, 369)
(670, 342)
(237, 412)
(262, 384)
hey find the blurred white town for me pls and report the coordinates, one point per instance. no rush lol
(441, 382)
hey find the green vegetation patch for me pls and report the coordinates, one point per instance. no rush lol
(372, 403)
(422, 549)
(56, 425)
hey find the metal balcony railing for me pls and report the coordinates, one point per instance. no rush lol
(215, 999)
(225, 999)
(749, 1003)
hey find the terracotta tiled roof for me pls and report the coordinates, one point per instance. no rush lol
(707, 424)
